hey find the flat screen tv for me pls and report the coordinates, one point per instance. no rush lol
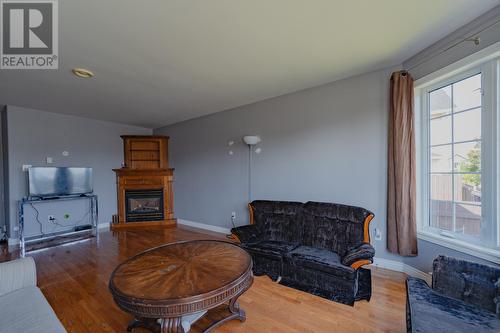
(55, 181)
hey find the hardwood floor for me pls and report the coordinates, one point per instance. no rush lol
(74, 278)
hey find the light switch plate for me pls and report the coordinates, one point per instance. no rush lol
(50, 160)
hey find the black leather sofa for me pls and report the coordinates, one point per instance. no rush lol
(316, 247)
(464, 298)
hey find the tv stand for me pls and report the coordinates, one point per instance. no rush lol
(93, 216)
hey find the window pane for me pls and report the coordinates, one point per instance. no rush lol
(467, 125)
(441, 215)
(467, 93)
(441, 130)
(468, 157)
(468, 219)
(440, 102)
(441, 159)
(468, 188)
(441, 187)
(455, 152)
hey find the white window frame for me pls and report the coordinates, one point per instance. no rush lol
(487, 62)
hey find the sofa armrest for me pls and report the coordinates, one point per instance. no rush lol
(415, 288)
(359, 256)
(247, 233)
(17, 274)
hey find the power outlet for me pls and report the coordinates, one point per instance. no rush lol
(233, 218)
(378, 234)
(26, 167)
(51, 218)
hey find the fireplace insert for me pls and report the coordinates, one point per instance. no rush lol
(143, 205)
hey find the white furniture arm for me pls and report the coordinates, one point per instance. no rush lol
(17, 274)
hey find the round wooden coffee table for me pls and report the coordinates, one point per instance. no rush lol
(176, 280)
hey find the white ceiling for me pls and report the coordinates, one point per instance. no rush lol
(163, 61)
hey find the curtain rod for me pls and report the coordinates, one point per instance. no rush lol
(475, 38)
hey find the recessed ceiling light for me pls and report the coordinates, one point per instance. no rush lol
(82, 72)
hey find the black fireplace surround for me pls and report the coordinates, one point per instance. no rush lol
(144, 205)
(315, 247)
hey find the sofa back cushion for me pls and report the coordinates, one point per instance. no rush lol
(335, 227)
(471, 282)
(278, 220)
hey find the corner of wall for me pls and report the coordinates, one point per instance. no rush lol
(4, 170)
(400, 266)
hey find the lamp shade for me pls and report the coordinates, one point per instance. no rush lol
(251, 140)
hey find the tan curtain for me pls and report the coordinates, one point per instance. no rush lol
(401, 196)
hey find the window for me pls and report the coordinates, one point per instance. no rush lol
(455, 157)
(457, 127)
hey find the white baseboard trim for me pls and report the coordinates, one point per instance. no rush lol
(204, 226)
(403, 268)
(103, 226)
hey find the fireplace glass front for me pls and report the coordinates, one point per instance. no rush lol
(144, 205)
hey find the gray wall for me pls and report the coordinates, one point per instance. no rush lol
(453, 47)
(439, 55)
(34, 135)
(327, 143)
(3, 172)
(427, 251)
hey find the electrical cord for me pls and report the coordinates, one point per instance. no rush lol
(54, 221)
(57, 224)
(37, 218)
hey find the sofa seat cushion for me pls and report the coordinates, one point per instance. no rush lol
(270, 248)
(432, 312)
(320, 259)
(26, 310)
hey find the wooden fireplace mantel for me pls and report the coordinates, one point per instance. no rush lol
(127, 172)
(140, 173)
